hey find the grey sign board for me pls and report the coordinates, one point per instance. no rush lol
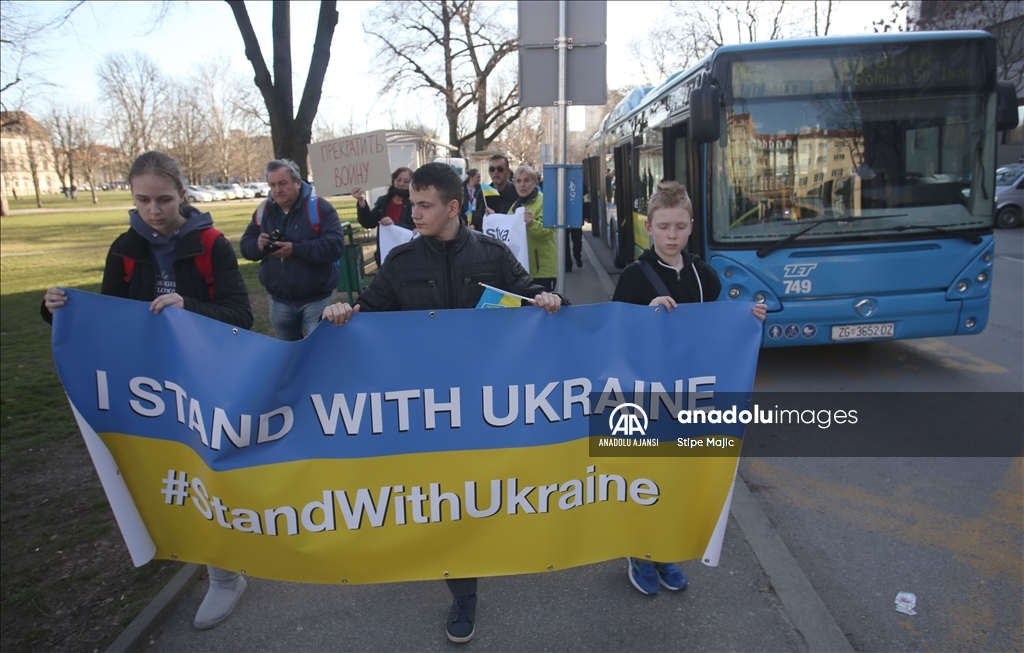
(586, 62)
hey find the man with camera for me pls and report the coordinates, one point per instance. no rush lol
(298, 240)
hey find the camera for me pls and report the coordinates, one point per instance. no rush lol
(272, 245)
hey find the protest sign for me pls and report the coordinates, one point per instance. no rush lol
(510, 229)
(330, 461)
(390, 237)
(341, 164)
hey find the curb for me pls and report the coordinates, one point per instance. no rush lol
(134, 637)
(602, 274)
(801, 602)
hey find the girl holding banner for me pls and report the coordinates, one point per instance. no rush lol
(172, 257)
(393, 208)
(540, 241)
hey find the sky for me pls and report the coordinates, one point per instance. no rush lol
(197, 32)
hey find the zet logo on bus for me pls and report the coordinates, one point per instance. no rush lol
(799, 270)
(626, 423)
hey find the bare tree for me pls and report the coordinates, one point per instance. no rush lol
(823, 16)
(290, 133)
(450, 48)
(897, 20)
(19, 46)
(136, 93)
(692, 30)
(221, 113)
(252, 142)
(187, 135)
(63, 129)
(1004, 19)
(86, 148)
(523, 137)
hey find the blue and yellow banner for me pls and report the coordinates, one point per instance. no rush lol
(340, 458)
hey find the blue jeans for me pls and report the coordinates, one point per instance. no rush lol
(293, 322)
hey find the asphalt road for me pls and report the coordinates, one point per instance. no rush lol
(948, 529)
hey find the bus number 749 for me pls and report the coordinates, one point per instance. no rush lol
(797, 286)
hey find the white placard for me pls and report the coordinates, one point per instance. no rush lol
(510, 229)
(390, 237)
(359, 161)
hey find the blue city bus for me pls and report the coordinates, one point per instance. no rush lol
(846, 182)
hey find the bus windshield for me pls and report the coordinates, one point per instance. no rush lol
(899, 139)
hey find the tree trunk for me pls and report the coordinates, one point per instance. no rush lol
(33, 165)
(289, 135)
(5, 209)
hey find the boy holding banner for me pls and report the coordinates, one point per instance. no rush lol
(667, 276)
(418, 277)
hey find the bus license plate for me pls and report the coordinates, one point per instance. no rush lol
(863, 331)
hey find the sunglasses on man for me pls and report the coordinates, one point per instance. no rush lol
(496, 169)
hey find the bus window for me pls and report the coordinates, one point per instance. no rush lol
(682, 164)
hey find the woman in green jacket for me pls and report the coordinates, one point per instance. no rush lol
(540, 241)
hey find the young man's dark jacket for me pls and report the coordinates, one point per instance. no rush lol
(231, 300)
(635, 288)
(311, 272)
(430, 274)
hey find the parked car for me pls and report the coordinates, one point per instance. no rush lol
(259, 189)
(243, 192)
(218, 195)
(194, 194)
(228, 190)
(1009, 199)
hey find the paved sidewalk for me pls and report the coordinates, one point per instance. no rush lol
(592, 608)
(733, 607)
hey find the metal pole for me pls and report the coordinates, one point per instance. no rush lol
(563, 141)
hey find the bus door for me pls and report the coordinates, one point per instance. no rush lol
(593, 186)
(678, 155)
(624, 196)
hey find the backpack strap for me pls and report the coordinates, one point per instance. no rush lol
(312, 212)
(204, 261)
(129, 267)
(652, 276)
(261, 211)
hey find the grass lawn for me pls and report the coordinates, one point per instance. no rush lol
(57, 201)
(67, 580)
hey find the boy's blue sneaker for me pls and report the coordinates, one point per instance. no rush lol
(644, 576)
(671, 576)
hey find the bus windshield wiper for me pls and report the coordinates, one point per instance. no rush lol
(973, 239)
(765, 251)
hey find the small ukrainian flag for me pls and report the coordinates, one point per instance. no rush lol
(495, 298)
(488, 191)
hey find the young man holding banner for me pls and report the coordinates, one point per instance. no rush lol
(418, 277)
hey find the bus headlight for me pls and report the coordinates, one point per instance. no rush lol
(970, 322)
(759, 298)
(982, 277)
(961, 286)
(734, 292)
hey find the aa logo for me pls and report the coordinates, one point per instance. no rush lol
(628, 420)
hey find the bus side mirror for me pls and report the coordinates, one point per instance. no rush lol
(705, 111)
(1006, 106)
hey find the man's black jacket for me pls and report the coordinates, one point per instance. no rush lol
(430, 274)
